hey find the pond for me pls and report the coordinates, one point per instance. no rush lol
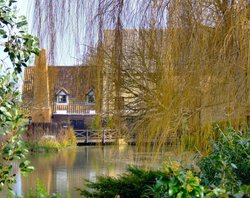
(67, 170)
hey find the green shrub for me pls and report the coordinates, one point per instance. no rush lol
(132, 184)
(228, 165)
(48, 144)
(178, 182)
(12, 126)
(44, 144)
(41, 192)
(173, 181)
(17, 47)
(52, 143)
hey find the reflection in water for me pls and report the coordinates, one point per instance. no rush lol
(64, 171)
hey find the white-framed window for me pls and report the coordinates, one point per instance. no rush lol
(90, 97)
(62, 98)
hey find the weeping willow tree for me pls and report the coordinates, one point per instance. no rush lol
(163, 68)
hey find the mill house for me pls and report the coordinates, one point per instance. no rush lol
(58, 94)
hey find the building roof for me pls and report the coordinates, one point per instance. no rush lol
(74, 79)
(62, 89)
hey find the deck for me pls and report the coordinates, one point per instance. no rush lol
(104, 136)
(111, 136)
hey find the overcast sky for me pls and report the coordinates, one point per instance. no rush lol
(23, 9)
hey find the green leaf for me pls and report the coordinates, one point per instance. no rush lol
(11, 2)
(2, 32)
(7, 114)
(179, 195)
(6, 49)
(3, 109)
(239, 194)
(22, 23)
(12, 55)
(12, 192)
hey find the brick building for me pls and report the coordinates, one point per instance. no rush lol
(58, 94)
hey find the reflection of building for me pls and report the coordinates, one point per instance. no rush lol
(65, 171)
(58, 93)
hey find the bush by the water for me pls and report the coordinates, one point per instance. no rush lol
(228, 165)
(48, 143)
(173, 181)
(225, 172)
(178, 182)
(132, 184)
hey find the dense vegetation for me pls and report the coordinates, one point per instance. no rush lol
(229, 163)
(66, 138)
(17, 46)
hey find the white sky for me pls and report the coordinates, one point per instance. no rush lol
(65, 58)
(22, 7)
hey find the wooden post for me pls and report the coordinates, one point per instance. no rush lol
(103, 136)
(87, 135)
(248, 86)
(33, 133)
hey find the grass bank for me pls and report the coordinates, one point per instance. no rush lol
(52, 143)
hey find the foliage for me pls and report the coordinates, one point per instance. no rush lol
(41, 191)
(178, 183)
(132, 184)
(228, 165)
(172, 181)
(12, 125)
(68, 138)
(47, 145)
(109, 123)
(19, 46)
(50, 143)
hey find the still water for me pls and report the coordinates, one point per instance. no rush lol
(67, 170)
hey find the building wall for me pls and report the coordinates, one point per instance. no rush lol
(42, 82)
(67, 119)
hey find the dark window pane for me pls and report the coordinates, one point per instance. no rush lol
(62, 99)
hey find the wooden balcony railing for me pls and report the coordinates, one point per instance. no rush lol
(72, 108)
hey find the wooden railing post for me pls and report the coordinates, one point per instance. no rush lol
(103, 136)
(87, 135)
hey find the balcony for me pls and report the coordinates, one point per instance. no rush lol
(73, 109)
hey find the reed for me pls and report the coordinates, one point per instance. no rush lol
(50, 143)
(41, 191)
